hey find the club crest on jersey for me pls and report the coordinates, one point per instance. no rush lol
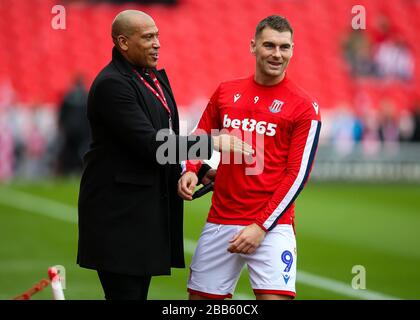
(276, 106)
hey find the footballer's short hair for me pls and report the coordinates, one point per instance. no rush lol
(274, 22)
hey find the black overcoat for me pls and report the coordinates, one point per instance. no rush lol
(130, 216)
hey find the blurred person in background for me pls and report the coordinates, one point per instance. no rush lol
(416, 120)
(388, 123)
(394, 60)
(7, 159)
(406, 125)
(357, 52)
(130, 216)
(33, 165)
(7, 154)
(347, 129)
(392, 57)
(73, 129)
(251, 219)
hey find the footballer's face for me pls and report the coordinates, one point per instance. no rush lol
(273, 51)
(142, 46)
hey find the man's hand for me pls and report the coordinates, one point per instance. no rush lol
(247, 240)
(229, 143)
(209, 177)
(186, 185)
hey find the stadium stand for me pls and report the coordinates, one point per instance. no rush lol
(203, 42)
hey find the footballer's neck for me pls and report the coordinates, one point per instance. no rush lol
(268, 80)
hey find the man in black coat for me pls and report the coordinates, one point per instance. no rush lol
(130, 216)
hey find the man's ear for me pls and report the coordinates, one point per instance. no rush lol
(252, 46)
(122, 42)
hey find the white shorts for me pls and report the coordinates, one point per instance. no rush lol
(214, 271)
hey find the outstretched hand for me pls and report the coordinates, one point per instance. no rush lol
(230, 143)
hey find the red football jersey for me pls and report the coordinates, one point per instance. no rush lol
(284, 123)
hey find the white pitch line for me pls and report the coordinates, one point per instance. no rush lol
(67, 213)
(43, 206)
(340, 287)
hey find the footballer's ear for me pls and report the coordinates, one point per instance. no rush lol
(252, 46)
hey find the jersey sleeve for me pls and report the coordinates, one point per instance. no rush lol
(303, 146)
(209, 120)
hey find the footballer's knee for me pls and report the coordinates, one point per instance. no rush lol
(194, 296)
(266, 296)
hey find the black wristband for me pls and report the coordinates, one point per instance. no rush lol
(203, 190)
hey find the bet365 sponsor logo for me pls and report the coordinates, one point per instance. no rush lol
(261, 127)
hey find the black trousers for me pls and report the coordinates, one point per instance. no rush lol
(124, 287)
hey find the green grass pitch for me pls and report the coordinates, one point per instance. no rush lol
(338, 226)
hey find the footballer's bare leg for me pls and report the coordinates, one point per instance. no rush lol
(198, 297)
(258, 297)
(266, 296)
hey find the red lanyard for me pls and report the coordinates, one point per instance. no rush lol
(158, 95)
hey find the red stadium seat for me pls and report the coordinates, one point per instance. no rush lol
(203, 43)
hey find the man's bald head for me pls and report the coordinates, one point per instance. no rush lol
(127, 22)
(136, 37)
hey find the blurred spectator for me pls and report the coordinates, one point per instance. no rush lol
(370, 142)
(357, 52)
(33, 163)
(73, 129)
(392, 57)
(406, 125)
(389, 57)
(346, 129)
(416, 130)
(394, 60)
(388, 123)
(6, 147)
(7, 95)
(381, 30)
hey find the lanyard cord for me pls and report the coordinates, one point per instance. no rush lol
(159, 94)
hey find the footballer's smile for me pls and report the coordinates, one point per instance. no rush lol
(273, 51)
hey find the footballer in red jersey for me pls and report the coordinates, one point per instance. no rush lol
(252, 212)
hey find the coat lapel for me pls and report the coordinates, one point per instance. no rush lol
(163, 79)
(150, 103)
